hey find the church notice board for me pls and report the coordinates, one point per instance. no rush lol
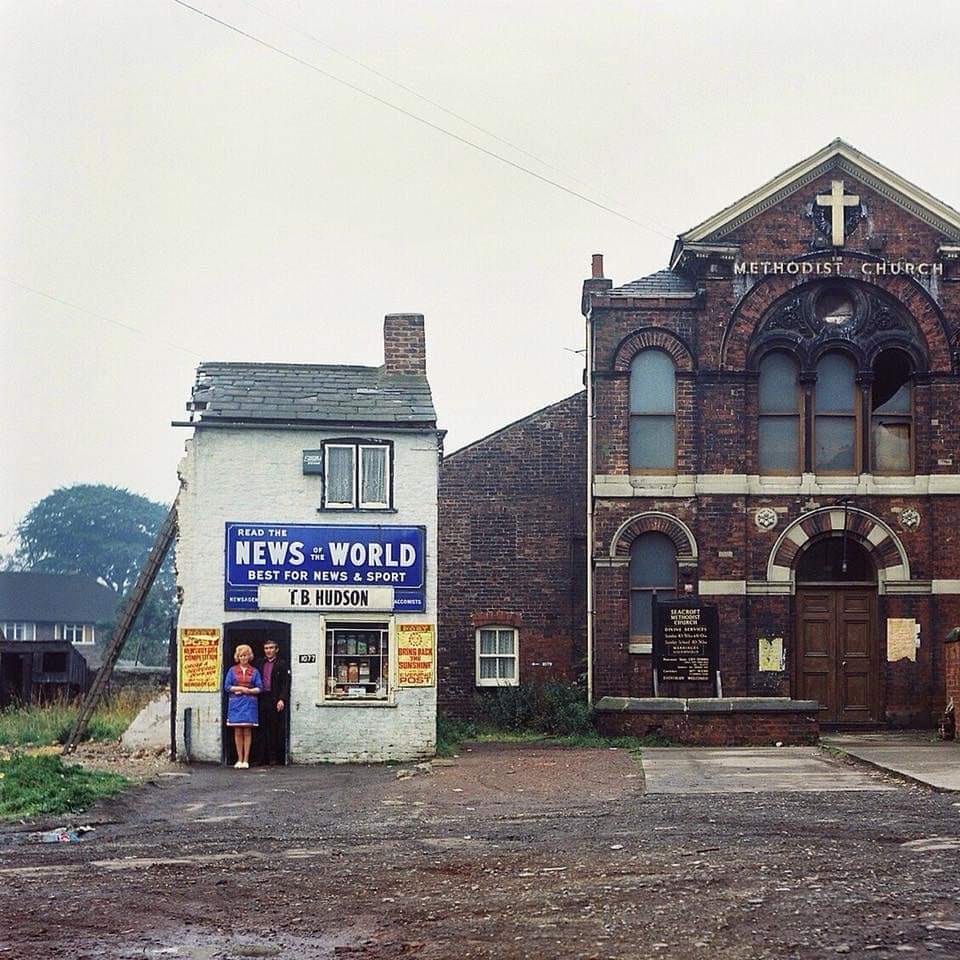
(415, 655)
(685, 641)
(199, 660)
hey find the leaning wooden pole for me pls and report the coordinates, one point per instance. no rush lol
(128, 617)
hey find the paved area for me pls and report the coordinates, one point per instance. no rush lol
(917, 755)
(698, 770)
(509, 852)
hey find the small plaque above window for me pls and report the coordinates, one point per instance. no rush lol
(313, 461)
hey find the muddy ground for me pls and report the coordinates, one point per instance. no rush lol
(506, 852)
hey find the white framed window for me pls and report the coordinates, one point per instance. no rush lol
(74, 632)
(374, 476)
(19, 631)
(498, 657)
(357, 476)
(357, 664)
(340, 475)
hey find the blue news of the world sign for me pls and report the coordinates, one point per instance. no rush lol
(279, 554)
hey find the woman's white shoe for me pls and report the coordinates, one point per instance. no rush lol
(238, 765)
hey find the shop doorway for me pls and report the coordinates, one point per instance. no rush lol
(255, 633)
(837, 659)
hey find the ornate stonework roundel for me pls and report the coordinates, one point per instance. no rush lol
(765, 518)
(910, 519)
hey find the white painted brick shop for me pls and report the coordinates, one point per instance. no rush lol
(308, 519)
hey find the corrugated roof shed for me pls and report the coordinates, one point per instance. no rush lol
(267, 393)
(55, 598)
(663, 283)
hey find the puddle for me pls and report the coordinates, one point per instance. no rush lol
(184, 944)
(930, 844)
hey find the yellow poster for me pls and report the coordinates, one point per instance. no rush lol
(199, 651)
(901, 639)
(415, 655)
(771, 653)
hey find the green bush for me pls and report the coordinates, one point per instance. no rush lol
(44, 785)
(553, 707)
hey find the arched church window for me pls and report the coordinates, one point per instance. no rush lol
(891, 406)
(652, 413)
(835, 419)
(653, 572)
(779, 426)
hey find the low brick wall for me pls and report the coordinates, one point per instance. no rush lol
(715, 722)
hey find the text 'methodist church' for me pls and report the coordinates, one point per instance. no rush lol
(770, 425)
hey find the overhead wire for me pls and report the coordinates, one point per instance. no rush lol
(100, 316)
(406, 88)
(415, 116)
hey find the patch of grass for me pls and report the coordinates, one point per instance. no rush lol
(51, 722)
(452, 733)
(45, 785)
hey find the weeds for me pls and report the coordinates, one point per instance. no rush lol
(51, 722)
(553, 707)
(552, 712)
(45, 785)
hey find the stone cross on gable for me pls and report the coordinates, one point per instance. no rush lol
(836, 200)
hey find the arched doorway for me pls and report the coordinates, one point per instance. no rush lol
(837, 659)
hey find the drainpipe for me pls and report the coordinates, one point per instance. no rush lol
(599, 285)
(588, 376)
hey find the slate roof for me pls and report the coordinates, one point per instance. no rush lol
(55, 597)
(663, 283)
(307, 393)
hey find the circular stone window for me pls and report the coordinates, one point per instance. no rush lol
(836, 308)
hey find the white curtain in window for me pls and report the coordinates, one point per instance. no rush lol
(488, 642)
(339, 474)
(373, 475)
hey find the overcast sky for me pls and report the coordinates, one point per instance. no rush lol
(227, 203)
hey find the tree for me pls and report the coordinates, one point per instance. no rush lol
(105, 533)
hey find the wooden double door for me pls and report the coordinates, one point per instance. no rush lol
(837, 652)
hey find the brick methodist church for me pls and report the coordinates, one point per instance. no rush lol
(770, 431)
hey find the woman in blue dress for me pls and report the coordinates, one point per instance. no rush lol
(243, 683)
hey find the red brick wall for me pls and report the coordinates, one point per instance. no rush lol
(716, 434)
(512, 549)
(714, 729)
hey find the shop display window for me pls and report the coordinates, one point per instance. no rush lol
(357, 661)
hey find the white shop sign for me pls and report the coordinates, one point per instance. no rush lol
(325, 598)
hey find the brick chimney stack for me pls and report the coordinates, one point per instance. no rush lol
(596, 286)
(404, 344)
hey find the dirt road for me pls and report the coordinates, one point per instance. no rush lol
(507, 852)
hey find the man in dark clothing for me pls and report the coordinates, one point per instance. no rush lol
(275, 673)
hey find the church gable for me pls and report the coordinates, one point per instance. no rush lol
(837, 161)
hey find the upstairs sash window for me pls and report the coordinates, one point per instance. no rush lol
(357, 476)
(652, 413)
(835, 422)
(779, 424)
